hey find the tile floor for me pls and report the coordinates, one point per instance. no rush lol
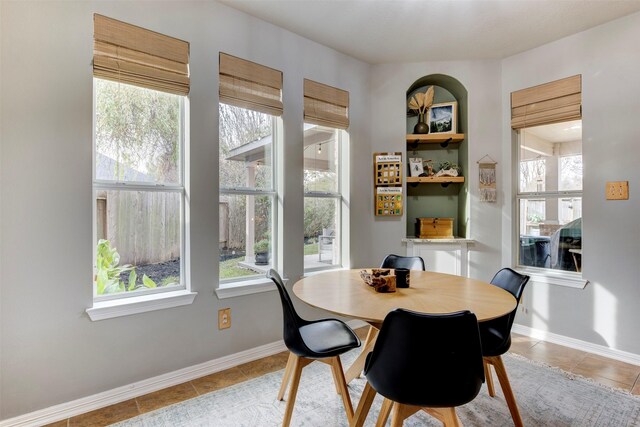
(606, 371)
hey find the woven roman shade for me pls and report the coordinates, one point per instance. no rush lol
(553, 102)
(129, 54)
(325, 105)
(249, 85)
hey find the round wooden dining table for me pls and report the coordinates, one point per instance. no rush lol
(343, 292)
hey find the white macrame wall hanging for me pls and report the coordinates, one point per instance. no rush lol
(487, 181)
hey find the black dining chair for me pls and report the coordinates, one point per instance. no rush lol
(496, 338)
(390, 261)
(309, 340)
(397, 261)
(423, 361)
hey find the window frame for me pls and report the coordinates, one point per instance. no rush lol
(539, 274)
(179, 188)
(257, 278)
(339, 199)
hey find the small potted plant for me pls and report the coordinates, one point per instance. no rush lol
(448, 169)
(261, 250)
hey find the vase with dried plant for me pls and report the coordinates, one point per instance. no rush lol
(420, 102)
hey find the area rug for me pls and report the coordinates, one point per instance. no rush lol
(546, 397)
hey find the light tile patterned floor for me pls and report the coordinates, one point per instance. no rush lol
(606, 371)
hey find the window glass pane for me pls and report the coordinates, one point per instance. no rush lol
(246, 237)
(137, 134)
(571, 172)
(532, 175)
(321, 232)
(551, 233)
(138, 240)
(320, 159)
(551, 157)
(245, 148)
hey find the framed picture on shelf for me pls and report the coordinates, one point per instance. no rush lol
(443, 118)
(415, 166)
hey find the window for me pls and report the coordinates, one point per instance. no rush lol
(138, 190)
(322, 197)
(326, 116)
(247, 193)
(250, 102)
(550, 196)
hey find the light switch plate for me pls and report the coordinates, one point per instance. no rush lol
(617, 190)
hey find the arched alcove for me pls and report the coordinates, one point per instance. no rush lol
(432, 199)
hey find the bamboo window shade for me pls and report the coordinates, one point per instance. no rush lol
(249, 85)
(129, 54)
(557, 101)
(325, 105)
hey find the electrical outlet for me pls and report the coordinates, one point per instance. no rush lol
(224, 318)
(617, 190)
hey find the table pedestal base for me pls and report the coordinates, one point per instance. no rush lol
(356, 368)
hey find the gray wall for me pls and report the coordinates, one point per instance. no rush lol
(606, 311)
(51, 352)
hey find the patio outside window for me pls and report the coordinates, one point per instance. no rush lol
(322, 197)
(550, 196)
(247, 192)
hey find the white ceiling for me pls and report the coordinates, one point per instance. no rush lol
(558, 132)
(391, 31)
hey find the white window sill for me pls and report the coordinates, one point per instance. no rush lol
(557, 278)
(140, 304)
(245, 287)
(256, 286)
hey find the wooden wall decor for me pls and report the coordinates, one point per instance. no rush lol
(387, 168)
(387, 180)
(388, 201)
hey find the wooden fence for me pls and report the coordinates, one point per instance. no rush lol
(143, 226)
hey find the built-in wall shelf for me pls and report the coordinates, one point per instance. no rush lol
(434, 179)
(434, 138)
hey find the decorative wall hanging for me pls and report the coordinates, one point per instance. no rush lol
(387, 179)
(387, 168)
(388, 201)
(487, 175)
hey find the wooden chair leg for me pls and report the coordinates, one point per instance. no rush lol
(298, 364)
(396, 418)
(446, 416)
(501, 373)
(489, 378)
(364, 406)
(336, 380)
(401, 412)
(384, 412)
(286, 376)
(341, 386)
(356, 368)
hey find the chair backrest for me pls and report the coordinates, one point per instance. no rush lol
(427, 360)
(510, 281)
(514, 283)
(292, 322)
(410, 262)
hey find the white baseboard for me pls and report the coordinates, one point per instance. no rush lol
(598, 349)
(140, 388)
(120, 394)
